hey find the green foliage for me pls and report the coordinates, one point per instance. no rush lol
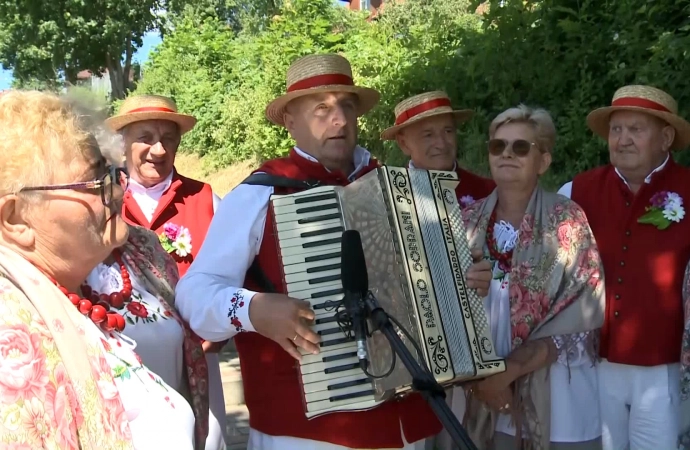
(48, 42)
(568, 56)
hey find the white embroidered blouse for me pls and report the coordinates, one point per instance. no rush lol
(159, 417)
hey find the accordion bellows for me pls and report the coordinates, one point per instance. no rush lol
(416, 253)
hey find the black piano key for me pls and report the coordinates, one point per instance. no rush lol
(321, 257)
(323, 294)
(319, 218)
(338, 341)
(348, 384)
(320, 243)
(307, 234)
(330, 331)
(342, 368)
(327, 304)
(315, 198)
(333, 318)
(309, 209)
(324, 279)
(337, 357)
(366, 393)
(323, 268)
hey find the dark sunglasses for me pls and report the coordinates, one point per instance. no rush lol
(520, 147)
(104, 184)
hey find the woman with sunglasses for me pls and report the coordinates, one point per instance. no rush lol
(545, 301)
(69, 377)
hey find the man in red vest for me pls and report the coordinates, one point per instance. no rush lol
(320, 111)
(162, 200)
(426, 131)
(635, 207)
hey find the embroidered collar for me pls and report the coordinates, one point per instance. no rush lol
(648, 178)
(361, 159)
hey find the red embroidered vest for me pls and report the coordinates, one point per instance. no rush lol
(186, 202)
(643, 266)
(473, 185)
(271, 377)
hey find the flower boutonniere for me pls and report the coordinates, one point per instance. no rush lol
(176, 239)
(466, 200)
(666, 207)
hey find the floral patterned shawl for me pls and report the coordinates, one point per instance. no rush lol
(157, 271)
(53, 392)
(556, 288)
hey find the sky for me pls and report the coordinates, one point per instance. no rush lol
(150, 41)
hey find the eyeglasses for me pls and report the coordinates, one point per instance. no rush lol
(104, 184)
(520, 147)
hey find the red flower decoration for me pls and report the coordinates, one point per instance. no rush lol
(137, 309)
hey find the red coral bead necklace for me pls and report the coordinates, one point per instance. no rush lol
(97, 306)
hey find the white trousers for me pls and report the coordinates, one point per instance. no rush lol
(262, 441)
(217, 419)
(639, 406)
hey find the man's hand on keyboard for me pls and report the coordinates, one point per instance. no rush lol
(286, 321)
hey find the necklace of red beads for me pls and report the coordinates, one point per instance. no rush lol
(504, 259)
(97, 306)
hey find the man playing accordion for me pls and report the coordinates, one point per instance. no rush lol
(320, 111)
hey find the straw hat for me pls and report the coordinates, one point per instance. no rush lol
(644, 99)
(150, 107)
(315, 74)
(422, 106)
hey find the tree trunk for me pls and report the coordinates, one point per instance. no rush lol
(118, 88)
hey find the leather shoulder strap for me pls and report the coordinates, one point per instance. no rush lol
(264, 179)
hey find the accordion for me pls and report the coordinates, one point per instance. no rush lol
(416, 252)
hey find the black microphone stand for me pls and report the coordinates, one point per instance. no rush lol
(422, 380)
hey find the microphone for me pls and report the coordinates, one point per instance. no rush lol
(353, 273)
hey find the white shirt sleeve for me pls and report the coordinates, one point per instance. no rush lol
(216, 202)
(567, 189)
(210, 296)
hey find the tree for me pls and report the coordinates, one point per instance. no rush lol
(52, 41)
(239, 15)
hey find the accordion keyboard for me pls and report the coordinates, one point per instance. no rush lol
(309, 228)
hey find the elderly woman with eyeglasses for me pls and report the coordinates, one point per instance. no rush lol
(545, 301)
(69, 377)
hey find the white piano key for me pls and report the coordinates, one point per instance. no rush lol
(315, 377)
(324, 214)
(325, 395)
(309, 228)
(280, 200)
(305, 276)
(310, 358)
(304, 266)
(294, 225)
(312, 240)
(295, 288)
(324, 384)
(342, 347)
(364, 402)
(321, 367)
(292, 251)
(293, 208)
(327, 326)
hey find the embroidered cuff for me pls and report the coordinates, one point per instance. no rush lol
(238, 311)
